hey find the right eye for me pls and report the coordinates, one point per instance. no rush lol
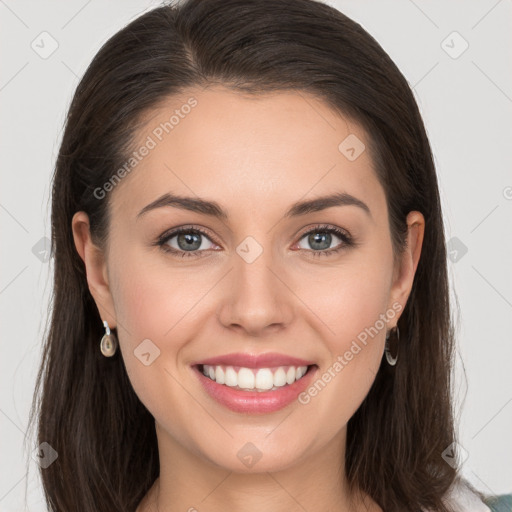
(185, 242)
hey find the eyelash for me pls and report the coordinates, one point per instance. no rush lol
(347, 240)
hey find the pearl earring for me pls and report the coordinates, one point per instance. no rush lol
(108, 345)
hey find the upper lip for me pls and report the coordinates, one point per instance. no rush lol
(267, 360)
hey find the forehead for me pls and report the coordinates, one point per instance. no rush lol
(250, 150)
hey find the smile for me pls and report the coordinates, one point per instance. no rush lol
(254, 390)
(254, 379)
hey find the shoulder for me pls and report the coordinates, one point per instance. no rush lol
(462, 498)
(501, 503)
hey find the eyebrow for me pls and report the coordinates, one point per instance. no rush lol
(213, 209)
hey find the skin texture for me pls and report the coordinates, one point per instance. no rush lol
(255, 156)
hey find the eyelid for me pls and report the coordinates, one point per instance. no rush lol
(325, 227)
(171, 233)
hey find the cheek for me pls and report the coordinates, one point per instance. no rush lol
(350, 305)
(354, 307)
(164, 304)
(154, 315)
(347, 299)
(151, 299)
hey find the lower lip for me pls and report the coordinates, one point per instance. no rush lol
(255, 402)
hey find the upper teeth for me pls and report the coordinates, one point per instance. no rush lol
(252, 378)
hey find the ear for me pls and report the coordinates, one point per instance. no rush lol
(95, 266)
(404, 272)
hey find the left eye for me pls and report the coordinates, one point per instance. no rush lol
(321, 238)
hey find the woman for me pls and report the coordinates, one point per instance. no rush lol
(251, 299)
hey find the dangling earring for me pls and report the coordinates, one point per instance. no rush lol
(108, 345)
(391, 350)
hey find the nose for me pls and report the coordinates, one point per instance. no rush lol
(257, 300)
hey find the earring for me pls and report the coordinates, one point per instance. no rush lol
(108, 345)
(391, 349)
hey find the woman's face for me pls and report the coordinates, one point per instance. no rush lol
(264, 277)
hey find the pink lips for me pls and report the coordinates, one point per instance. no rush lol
(255, 402)
(269, 360)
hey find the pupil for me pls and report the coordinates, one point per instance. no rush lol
(318, 239)
(190, 242)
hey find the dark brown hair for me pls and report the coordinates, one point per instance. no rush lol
(85, 405)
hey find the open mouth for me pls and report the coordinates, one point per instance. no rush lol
(254, 379)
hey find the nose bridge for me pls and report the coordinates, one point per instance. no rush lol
(256, 297)
(254, 264)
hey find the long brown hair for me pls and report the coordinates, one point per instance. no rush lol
(85, 405)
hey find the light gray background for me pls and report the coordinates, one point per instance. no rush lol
(466, 103)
